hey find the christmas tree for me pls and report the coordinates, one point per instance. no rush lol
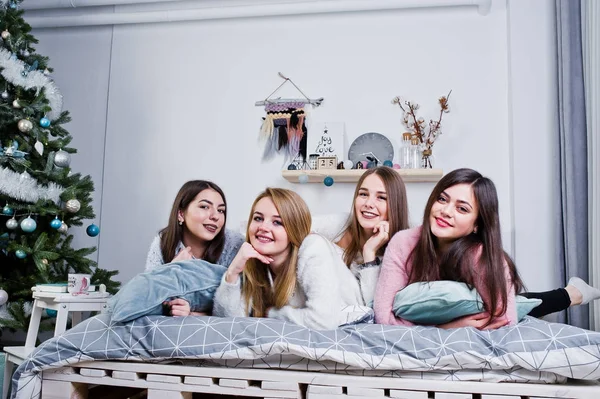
(40, 199)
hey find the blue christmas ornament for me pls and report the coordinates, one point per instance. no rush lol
(56, 223)
(45, 122)
(28, 225)
(20, 254)
(7, 210)
(92, 230)
(388, 163)
(303, 178)
(328, 181)
(51, 312)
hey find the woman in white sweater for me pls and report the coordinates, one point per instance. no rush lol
(283, 271)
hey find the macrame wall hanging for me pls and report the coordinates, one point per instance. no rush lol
(284, 127)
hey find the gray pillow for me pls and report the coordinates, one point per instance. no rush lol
(193, 280)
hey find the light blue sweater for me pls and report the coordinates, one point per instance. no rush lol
(233, 242)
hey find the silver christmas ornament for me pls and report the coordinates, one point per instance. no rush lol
(16, 104)
(72, 205)
(24, 125)
(12, 224)
(63, 228)
(4, 94)
(5, 34)
(62, 159)
(25, 53)
(3, 297)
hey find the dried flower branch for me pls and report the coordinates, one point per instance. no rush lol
(426, 133)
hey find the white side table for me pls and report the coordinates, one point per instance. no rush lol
(63, 303)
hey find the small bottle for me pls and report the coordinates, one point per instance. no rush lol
(427, 162)
(415, 154)
(405, 151)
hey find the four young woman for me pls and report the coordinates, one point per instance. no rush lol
(286, 272)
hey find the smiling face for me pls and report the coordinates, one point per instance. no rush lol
(371, 205)
(454, 213)
(204, 217)
(266, 232)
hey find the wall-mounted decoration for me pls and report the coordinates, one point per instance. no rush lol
(328, 139)
(284, 126)
(426, 133)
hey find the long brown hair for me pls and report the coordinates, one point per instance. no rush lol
(172, 235)
(397, 210)
(297, 221)
(457, 263)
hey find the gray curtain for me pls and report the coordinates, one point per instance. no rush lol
(572, 188)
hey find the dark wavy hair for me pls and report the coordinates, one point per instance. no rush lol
(171, 235)
(457, 262)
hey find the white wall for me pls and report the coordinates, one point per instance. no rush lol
(181, 106)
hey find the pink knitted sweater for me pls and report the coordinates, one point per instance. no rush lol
(394, 277)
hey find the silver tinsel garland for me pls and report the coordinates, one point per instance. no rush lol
(12, 69)
(26, 188)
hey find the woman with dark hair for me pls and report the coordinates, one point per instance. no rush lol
(460, 240)
(196, 230)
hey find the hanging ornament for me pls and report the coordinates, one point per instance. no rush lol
(46, 72)
(12, 223)
(73, 206)
(328, 181)
(7, 210)
(3, 297)
(62, 159)
(63, 228)
(39, 147)
(25, 125)
(16, 103)
(303, 178)
(92, 230)
(28, 225)
(5, 34)
(56, 223)
(19, 253)
(25, 53)
(24, 177)
(45, 261)
(45, 122)
(51, 312)
(4, 94)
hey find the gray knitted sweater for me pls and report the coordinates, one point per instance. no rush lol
(233, 242)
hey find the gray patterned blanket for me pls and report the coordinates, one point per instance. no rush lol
(532, 350)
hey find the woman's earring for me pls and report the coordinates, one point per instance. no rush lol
(180, 222)
(475, 230)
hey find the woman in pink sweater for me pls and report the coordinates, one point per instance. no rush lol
(459, 240)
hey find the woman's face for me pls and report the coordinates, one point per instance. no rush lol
(454, 213)
(266, 232)
(370, 205)
(204, 217)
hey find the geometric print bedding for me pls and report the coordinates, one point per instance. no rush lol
(533, 350)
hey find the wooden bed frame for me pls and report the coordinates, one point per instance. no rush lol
(179, 382)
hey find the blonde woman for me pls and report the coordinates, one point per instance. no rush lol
(284, 272)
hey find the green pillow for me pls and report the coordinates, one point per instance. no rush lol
(439, 302)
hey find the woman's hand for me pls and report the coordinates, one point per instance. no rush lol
(381, 235)
(238, 264)
(478, 321)
(179, 307)
(184, 254)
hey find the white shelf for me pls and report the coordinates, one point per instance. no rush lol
(352, 176)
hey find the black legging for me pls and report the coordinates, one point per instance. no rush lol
(552, 301)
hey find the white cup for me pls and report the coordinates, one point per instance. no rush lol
(79, 283)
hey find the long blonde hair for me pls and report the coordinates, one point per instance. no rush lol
(297, 221)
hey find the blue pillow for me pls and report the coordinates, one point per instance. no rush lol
(439, 302)
(193, 280)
